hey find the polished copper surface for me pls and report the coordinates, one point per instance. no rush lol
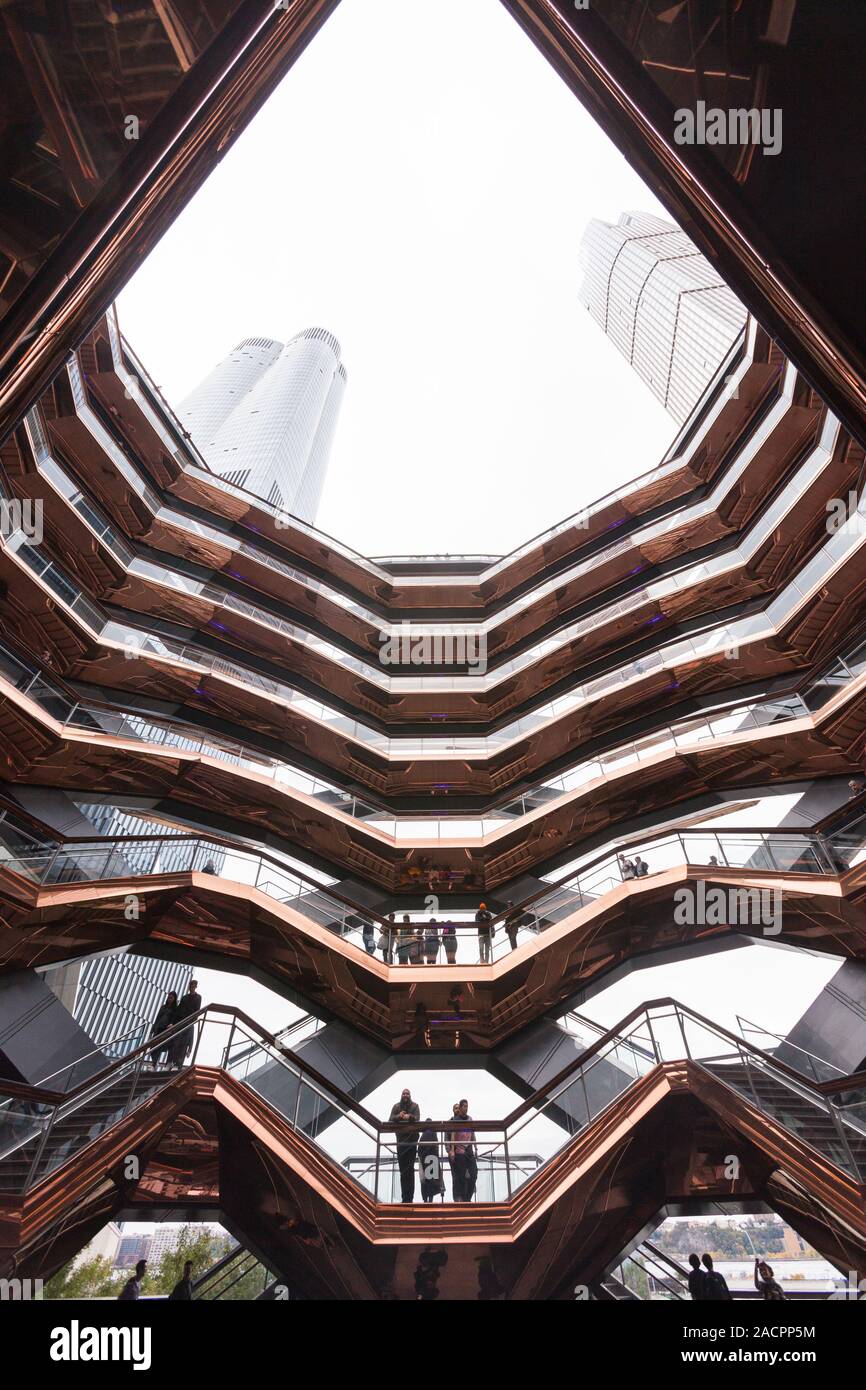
(665, 1141)
(83, 204)
(814, 633)
(408, 1007)
(214, 791)
(249, 635)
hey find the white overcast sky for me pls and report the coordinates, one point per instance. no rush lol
(419, 185)
(426, 205)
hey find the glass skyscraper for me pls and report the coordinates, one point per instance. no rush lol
(265, 417)
(115, 997)
(661, 303)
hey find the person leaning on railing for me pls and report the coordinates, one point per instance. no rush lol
(368, 936)
(166, 1016)
(387, 940)
(403, 1112)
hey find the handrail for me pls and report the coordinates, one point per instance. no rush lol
(613, 1034)
(60, 841)
(376, 1130)
(212, 745)
(744, 1023)
(610, 853)
(664, 1258)
(153, 1044)
(368, 563)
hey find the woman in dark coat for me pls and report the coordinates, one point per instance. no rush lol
(164, 1019)
(180, 1044)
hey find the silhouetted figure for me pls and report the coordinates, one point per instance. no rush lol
(766, 1284)
(164, 1019)
(717, 1288)
(489, 1286)
(209, 868)
(388, 941)
(641, 867)
(404, 1112)
(131, 1290)
(405, 941)
(181, 1044)
(512, 924)
(368, 936)
(430, 1163)
(429, 1267)
(182, 1291)
(484, 923)
(416, 954)
(697, 1280)
(449, 941)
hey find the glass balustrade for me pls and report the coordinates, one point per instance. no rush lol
(451, 938)
(805, 475)
(467, 1157)
(689, 733)
(758, 627)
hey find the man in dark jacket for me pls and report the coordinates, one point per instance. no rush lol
(484, 923)
(716, 1287)
(182, 1291)
(697, 1280)
(181, 1044)
(403, 1113)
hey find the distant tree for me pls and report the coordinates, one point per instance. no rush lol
(90, 1279)
(193, 1243)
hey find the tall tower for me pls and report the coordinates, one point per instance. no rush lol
(265, 417)
(661, 303)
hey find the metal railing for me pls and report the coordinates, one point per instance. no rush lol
(423, 940)
(828, 1118)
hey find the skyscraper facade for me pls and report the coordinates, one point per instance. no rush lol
(661, 303)
(265, 417)
(115, 997)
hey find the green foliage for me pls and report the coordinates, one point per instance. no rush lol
(96, 1279)
(193, 1243)
(724, 1240)
(90, 1279)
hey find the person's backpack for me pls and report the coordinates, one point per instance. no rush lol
(716, 1286)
